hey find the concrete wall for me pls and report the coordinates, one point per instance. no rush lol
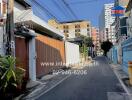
(127, 53)
(114, 55)
(72, 53)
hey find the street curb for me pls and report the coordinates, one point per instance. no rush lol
(121, 82)
(123, 85)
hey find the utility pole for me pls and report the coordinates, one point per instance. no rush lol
(10, 29)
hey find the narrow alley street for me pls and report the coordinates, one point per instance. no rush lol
(66, 50)
(98, 84)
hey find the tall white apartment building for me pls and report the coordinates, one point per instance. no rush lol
(106, 29)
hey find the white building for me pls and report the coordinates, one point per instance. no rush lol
(129, 20)
(105, 22)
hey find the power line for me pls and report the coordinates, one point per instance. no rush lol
(60, 8)
(83, 2)
(67, 5)
(43, 8)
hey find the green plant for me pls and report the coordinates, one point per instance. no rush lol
(20, 73)
(106, 46)
(85, 43)
(9, 75)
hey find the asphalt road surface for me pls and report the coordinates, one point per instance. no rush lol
(99, 81)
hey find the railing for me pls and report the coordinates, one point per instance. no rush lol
(23, 15)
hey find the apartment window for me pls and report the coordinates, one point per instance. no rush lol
(77, 30)
(77, 26)
(65, 27)
(77, 34)
(66, 31)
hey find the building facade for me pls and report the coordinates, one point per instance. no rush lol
(120, 22)
(72, 29)
(96, 40)
(105, 21)
(129, 20)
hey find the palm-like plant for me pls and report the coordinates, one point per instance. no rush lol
(9, 75)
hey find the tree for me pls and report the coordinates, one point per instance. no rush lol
(106, 46)
(86, 42)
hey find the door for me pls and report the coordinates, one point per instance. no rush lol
(22, 54)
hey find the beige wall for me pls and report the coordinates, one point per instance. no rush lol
(84, 25)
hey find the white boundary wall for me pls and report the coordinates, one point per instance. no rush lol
(72, 53)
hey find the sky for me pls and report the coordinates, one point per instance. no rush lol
(68, 10)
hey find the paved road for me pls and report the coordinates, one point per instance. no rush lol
(95, 85)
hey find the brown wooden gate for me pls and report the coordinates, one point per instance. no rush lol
(49, 51)
(22, 54)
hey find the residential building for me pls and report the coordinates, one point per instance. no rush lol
(129, 20)
(96, 40)
(37, 43)
(72, 29)
(112, 36)
(94, 37)
(120, 22)
(105, 21)
(27, 46)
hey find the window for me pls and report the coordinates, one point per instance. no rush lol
(77, 26)
(66, 31)
(65, 27)
(77, 30)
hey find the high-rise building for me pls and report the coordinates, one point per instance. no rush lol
(105, 22)
(95, 38)
(72, 29)
(94, 35)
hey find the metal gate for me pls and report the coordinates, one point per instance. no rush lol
(22, 54)
(50, 52)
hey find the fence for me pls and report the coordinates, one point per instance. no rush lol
(114, 55)
(72, 53)
(50, 54)
(126, 54)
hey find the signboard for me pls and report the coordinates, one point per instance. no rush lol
(117, 11)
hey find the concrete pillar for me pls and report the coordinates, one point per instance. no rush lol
(32, 59)
(1, 40)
